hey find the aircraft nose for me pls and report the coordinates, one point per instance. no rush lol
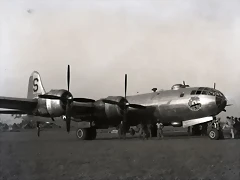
(221, 102)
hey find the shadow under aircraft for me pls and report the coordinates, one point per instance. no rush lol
(181, 106)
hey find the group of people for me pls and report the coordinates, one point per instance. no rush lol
(234, 124)
(145, 130)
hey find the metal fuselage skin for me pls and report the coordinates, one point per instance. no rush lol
(168, 106)
(175, 105)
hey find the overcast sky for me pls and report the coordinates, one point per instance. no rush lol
(157, 43)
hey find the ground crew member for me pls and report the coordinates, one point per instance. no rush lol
(141, 131)
(159, 130)
(230, 123)
(121, 131)
(149, 129)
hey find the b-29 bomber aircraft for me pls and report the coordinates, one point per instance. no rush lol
(181, 106)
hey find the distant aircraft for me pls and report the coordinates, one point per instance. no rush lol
(182, 106)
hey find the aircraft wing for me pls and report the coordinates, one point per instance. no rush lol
(82, 108)
(21, 104)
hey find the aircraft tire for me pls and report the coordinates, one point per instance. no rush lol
(214, 134)
(83, 133)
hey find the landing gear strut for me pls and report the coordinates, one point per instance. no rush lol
(38, 129)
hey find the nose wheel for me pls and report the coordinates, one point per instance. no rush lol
(215, 131)
(214, 134)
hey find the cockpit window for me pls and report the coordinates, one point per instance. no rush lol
(207, 91)
(204, 92)
(193, 92)
(210, 93)
(198, 92)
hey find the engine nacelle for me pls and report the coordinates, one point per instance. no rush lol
(109, 113)
(57, 108)
(176, 124)
(114, 111)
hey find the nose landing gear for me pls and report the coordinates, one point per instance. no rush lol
(215, 130)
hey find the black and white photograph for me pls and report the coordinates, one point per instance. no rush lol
(119, 90)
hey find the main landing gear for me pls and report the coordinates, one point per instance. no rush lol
(86, 133)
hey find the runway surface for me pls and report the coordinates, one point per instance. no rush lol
(58, 155)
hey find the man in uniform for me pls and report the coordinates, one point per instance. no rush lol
(159, 129)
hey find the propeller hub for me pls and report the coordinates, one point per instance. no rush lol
(66, 97)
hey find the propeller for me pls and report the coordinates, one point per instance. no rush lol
(214, 86)
(184, 83)
(68, 100)
(124, 105)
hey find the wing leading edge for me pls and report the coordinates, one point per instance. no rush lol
(21, 104)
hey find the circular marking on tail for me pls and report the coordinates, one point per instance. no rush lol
(35, 85)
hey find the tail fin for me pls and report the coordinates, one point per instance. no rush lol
(35, 86)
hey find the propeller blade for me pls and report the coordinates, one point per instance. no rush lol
(52, 119)
(125, 86)
(11, 112)
(137, 106)
(229, 104)
(184, 83)
(214, 85)
(68, 77)
(83, 100)
(46, 96)
(110, 102)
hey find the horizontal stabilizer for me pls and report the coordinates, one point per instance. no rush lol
(193, 122)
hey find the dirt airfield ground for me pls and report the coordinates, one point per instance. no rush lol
(58, 155)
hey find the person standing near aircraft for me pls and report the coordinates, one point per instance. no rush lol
(159, 129)
(230, 123)
(121, 131)
(143, 133)
(149, 129)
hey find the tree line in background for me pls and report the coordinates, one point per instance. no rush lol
(23, 124)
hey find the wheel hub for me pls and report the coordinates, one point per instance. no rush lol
(212, 134)
(79, 133)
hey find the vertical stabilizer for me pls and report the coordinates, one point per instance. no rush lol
(35, 86)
